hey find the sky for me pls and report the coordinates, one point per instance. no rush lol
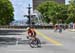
(67, 1)
(20, 8)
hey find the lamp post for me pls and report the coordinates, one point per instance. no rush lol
(29, 15)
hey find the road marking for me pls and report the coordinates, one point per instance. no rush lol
(72, 30)
(49, 39)
(22, 50)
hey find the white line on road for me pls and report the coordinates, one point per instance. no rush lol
(22, 50)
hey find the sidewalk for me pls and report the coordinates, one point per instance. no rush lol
(12, 29)
(72, 30)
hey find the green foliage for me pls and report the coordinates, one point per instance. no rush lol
(6, 12)
(54, 12)
(71, 12)
(47, 10)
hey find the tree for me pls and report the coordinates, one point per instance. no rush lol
(46, 9)
(6, 12)
(53, 11)
(57, 13)
(61, 13)
(71, 12)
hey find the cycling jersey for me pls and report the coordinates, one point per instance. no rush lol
(31, 33)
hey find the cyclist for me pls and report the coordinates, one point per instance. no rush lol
(31, 33)
(32, 37)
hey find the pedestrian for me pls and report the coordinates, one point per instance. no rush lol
(71, 25)
(60, 28)
(56, 28)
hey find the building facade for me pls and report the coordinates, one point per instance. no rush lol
(37, 2)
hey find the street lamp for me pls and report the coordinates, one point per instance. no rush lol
(29, 15)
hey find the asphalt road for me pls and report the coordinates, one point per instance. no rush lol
(52, 42)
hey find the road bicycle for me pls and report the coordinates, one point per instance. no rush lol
(34, 42)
